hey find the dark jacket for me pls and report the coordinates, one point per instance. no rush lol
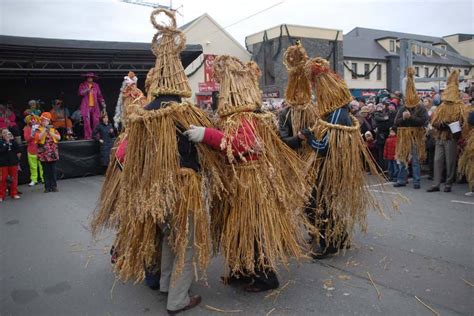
(286, 129)
(419, 117)
(470, 118)
(8, 153)
(188, 154)
(339, 117)
(102, 131)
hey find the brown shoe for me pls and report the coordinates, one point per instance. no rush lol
(193, 302)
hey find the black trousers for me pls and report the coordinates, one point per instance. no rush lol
(49, 174)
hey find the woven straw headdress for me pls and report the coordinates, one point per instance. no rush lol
(238, 92)
(451, 94)
(298, 91)
(167, 77)
(332, 92)
(411, 97)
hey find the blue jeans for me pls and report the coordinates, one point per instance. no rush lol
(415, 164)
(392, 168)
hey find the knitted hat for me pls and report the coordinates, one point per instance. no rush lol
(46, 116)
(411, 97)
(451, 93)
(237, 86)
(332, 92)
(298, 90)
(167, 77)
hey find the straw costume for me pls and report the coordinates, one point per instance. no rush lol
(451, 110)
(410, 121)
(258, 225)
(341, 192)
(166, 179)
(466, 160)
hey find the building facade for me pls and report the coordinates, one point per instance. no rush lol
(206, 32)
(268, 48)
(372, 59)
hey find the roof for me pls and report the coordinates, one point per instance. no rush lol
(362, 43)
(49, 57)
(189, 25)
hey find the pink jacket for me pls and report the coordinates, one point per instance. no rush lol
(82, 91)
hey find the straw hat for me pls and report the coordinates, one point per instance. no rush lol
(237, 86)
(332, 92)
(298, 90)
(411, 96)
(167, 77)
(451, 93)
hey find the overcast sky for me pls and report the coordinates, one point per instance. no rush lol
(117, 21)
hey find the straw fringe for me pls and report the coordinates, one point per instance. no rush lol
(407, 137)
(342, 188)
(261, 217)
(104, 216)
(466, 160)
(155, 191)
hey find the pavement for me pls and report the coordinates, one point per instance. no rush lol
(49, 264)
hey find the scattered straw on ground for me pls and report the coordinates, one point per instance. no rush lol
(427, 306)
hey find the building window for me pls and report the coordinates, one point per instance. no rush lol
(427, 72)
(417, 71)
(418, 49)
(466, 72)
(429, 52)
(366, 71)
(392, 46)
(445, 72)
(443, 47)
(354, 70)
(379, 72)
(435, 74)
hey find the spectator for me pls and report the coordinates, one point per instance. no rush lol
(365, 121)
(78, 124)
(60, 119)
(435, 95)
(105, 134)
(33, 108)
(36, 170)
(8, 121)
(389, 155)
(428, 104)
(9, 159)
(382, 124)
(46, 137)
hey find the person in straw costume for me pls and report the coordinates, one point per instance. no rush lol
(259, 222)
(466, 160)
(301, 113)
(410, 121)
(341, 190)
(165, 179)
(451, 110)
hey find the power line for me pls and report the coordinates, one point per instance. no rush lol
(257, 13)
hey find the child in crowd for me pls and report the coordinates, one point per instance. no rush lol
(389, 155)
(46, 137)
(36, 170)
(105, 134)
(9, 159)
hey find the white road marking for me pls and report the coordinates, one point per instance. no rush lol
(462, 202)
(387, 192)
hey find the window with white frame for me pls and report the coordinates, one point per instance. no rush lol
(392, 46)
(445, 72)
(379, 72)
(366, 71)
(427, 72)
(418, 49)
(466, 72)
(429, 52)
(417, 71)
(354, 70)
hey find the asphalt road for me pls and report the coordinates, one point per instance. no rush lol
(50, 266)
